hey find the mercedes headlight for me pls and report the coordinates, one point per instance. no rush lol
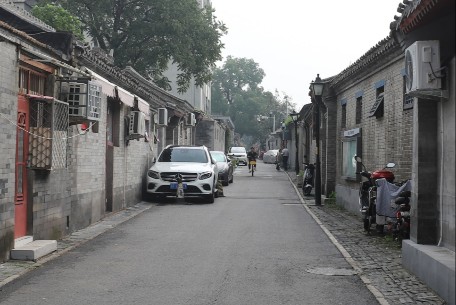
(206, 175)
(153, 174)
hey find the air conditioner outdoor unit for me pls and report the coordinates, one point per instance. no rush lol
(422, 67)
(137, 128)
(163, 116)
(190, 119)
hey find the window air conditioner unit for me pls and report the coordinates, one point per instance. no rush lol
(137, 128)
(190, 119)
(163, 116)
(422, 67)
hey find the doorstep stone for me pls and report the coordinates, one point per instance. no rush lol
(34, 250)
(22, 241)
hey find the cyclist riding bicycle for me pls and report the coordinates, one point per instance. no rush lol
(252, 155)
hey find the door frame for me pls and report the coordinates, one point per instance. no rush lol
(21, 170)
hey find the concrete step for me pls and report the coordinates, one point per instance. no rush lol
(34, 250)
(21, 241)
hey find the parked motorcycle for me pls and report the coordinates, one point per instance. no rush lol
(401, 228)
(368, 194)
(308, 183)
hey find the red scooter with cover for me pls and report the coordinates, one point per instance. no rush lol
(401, 228)
(368, 193)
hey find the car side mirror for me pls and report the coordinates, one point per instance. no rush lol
(154, 159)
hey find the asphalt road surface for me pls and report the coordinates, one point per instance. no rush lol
(256, 246)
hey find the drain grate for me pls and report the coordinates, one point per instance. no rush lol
(331, 271)
(291, 203)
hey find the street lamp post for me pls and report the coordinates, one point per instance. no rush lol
(294, 117)
(273, 120)
(317, 90)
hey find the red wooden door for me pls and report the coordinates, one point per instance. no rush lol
(22, 144)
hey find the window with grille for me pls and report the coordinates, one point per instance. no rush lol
(48, 120)
(359, 109)
(344, 116)
(31, 82)
(48, 133)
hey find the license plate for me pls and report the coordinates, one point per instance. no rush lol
(173, 186)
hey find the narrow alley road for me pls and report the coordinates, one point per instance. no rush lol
(258, 245)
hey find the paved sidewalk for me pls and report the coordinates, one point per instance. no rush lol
(376, 259)
(12, 269)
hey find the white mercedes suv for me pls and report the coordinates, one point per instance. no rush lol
(193, 164)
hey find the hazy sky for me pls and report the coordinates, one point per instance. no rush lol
(293, 40)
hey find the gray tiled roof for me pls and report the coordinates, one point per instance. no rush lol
(21, 19)
(414, 12)
(381, 49)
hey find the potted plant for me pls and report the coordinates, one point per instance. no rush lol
(300, 178)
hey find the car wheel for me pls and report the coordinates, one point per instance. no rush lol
(156, 198)
(225, 180)
(216, 190)
(149, 197)
(146, 196)
(366, 225)
(210, 198)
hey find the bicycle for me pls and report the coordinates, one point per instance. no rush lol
(252, 164)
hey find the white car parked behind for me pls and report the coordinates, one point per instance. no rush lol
(238, 153)
(270, 156)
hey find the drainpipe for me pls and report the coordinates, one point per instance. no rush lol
(441, 175)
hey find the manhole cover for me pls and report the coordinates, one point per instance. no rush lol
(331, 271)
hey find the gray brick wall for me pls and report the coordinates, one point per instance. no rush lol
(331, 147)
(385, 139)
(205, 134)
(88, 168)
(448, 208)
(219, 137)
(8, 117)
(67, 199)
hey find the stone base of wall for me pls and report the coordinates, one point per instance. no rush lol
(433, 265)
(6, 244)
(348, 198)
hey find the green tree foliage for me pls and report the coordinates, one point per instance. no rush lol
(149, 34)
(237, 75)
(236, 92)
(59, 18)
